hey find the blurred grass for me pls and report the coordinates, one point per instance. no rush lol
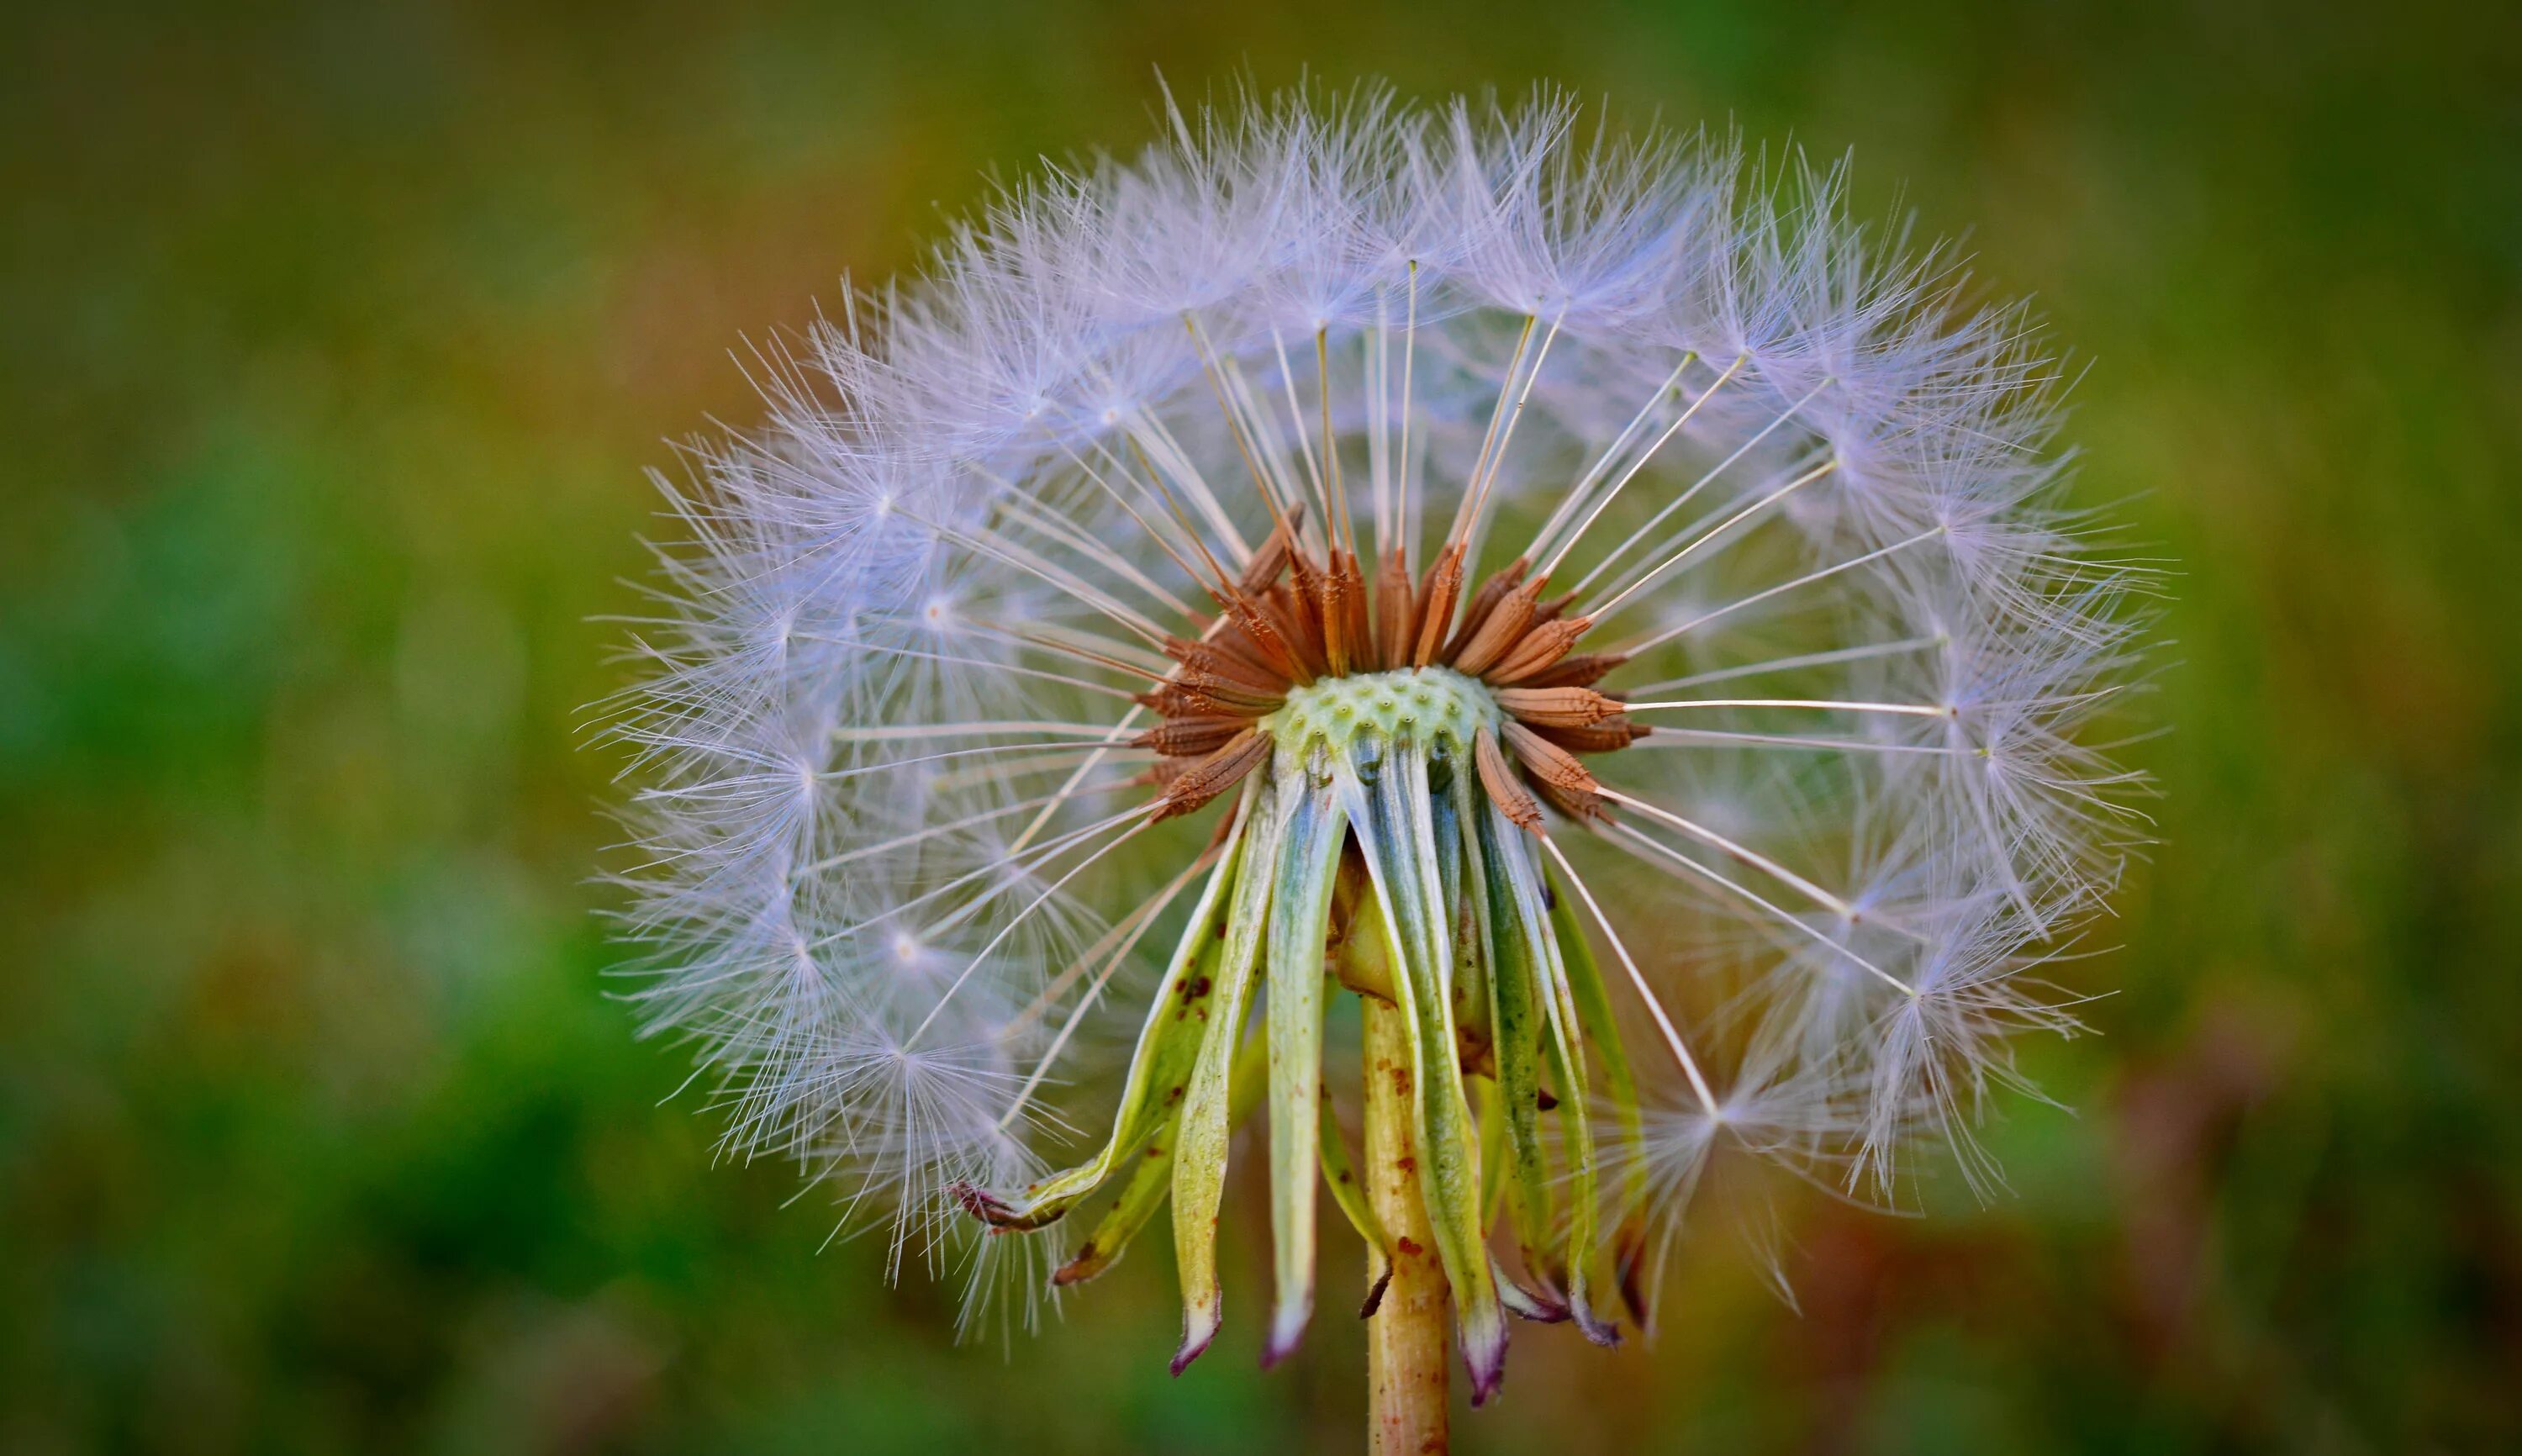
(338, 338)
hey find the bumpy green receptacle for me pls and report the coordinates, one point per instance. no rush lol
(1422, 706)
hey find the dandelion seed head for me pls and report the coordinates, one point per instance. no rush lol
(1334, 450)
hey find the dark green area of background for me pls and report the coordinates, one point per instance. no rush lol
(333, 343)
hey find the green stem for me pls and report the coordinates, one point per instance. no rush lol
(1405, 1340)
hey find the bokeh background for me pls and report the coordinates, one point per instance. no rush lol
(334, 341)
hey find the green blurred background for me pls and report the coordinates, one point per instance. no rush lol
(334, 341)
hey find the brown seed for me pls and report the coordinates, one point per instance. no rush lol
(1512, 799)
(1543, 645)
(1503, 632)
(1396, 621)
(1338, 596)
(1289, 608)
(1551, 766)
(1269, 643)
(1608, 735)
(1583, 670)
(1436, 612)
(1484, 601)
(1271, 558)
(1361, 621)
(1577, 804)
(1212, 775)
(1229, 637)
(1205, 699)
(1215, 659)
(1192, 737)
(1558, 707)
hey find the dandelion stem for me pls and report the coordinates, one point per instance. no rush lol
(1405, 1339)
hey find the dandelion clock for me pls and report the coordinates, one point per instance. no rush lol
(1459, 667)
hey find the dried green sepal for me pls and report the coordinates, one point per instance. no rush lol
(1515, 996)
(1152, 1173)
(1161, 1066)
(1309, 854)
(1199, 1158)
(1526, 902)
